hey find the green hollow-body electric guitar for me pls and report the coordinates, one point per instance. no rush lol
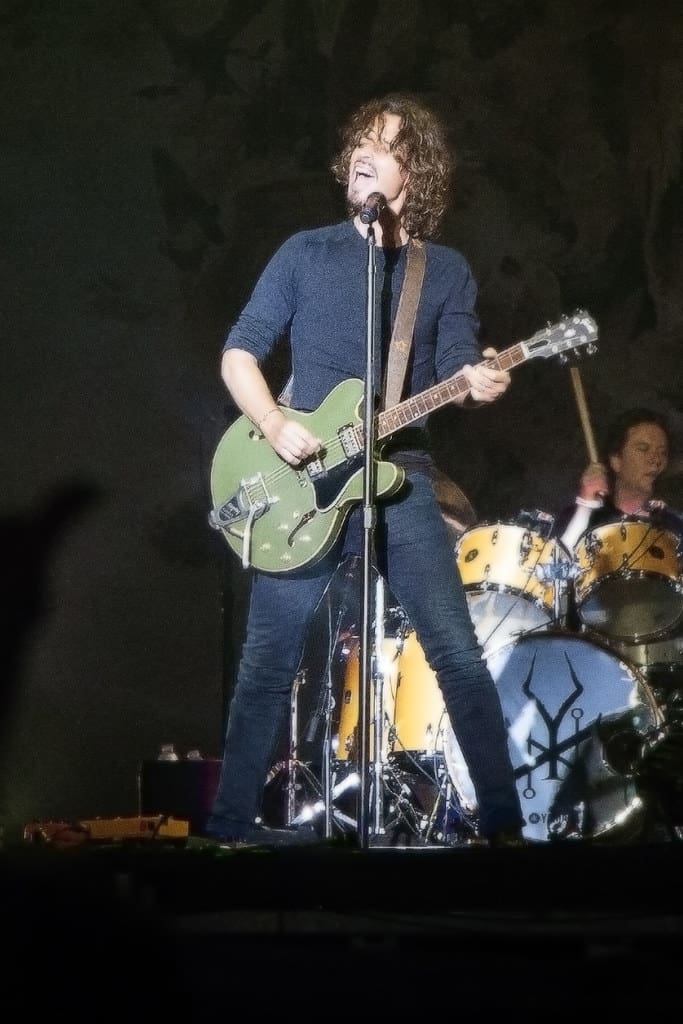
(278, 518)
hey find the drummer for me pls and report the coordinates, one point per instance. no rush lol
(637, 445)
(637, 450)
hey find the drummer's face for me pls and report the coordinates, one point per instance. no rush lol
(643, 458)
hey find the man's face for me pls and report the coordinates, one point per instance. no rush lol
(642, 459)
(374, 168)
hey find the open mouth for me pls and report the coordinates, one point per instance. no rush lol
(362, 173)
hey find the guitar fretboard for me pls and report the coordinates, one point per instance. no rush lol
(406, 412)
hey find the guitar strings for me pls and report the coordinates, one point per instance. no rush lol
(504, 360)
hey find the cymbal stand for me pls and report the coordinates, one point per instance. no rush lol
(328, 789)
(327, 782)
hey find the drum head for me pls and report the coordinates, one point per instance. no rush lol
(499, 618)
(628, 606)
(579, 720)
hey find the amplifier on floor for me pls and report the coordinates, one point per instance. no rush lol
(184, 789)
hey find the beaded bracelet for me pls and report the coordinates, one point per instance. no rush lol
(266, 415)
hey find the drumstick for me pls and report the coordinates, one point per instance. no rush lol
(583, 414)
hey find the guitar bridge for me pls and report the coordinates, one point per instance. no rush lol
(250, 501)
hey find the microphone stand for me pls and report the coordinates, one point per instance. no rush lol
(369, 517)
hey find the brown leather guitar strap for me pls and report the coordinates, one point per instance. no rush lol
(404, 325)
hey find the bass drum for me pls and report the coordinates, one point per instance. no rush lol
(579, 722)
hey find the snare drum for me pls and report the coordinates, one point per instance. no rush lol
(628, 580)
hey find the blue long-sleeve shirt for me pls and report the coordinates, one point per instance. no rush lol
(313, 292)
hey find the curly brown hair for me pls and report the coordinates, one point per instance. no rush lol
(421, 149)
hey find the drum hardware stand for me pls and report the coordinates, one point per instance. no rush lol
(555, 573)
(327, 788)
(295, 767)
(561, 572)
(445, 794)
(327, 792)
(444, 797)
(404, 814)
(401, 810)
(326, 705)
(310, 811)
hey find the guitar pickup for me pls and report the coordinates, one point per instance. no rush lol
(315, 468)
(351, 440)
(251, 500)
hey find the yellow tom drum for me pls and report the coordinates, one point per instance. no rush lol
(513, 577)
(627, 580)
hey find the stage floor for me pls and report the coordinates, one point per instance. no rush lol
(193, 927)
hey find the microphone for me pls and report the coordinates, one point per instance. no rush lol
(372, 207)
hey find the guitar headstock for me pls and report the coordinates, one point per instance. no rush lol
(568, 334)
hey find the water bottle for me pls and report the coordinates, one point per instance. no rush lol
(167, 752)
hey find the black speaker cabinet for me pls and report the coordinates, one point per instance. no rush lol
(181, 789)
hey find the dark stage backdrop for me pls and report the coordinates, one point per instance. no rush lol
(154, 153)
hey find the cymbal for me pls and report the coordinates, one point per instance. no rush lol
(456, 508)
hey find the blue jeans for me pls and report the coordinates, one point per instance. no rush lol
(415, 554)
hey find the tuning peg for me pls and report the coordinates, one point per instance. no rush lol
(563, 358)
(591, 349)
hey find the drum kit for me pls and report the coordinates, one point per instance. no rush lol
(586, 650)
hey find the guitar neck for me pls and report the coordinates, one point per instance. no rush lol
(411, 409)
